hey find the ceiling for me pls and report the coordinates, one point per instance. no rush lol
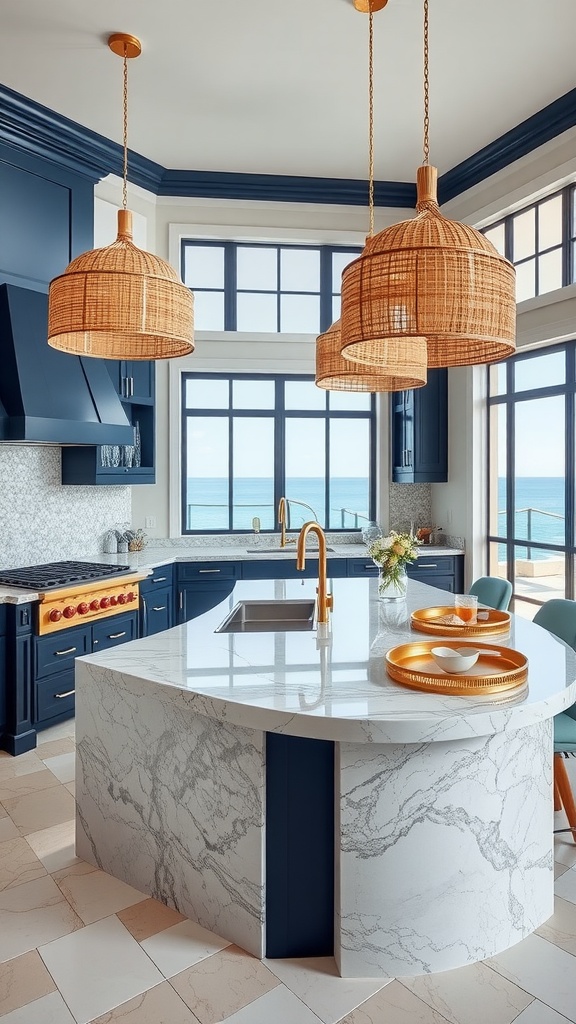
(281, 88)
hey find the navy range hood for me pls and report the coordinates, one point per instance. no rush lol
(47, 396)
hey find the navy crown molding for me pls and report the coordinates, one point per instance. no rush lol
(37, 130)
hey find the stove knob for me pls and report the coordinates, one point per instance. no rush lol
(95, 605)
(55, 615)
(122, 598)
(113, 599)
(105, 602)
(83, 607)
(130, 596)
(69, 611)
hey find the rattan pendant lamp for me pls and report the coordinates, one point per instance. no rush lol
(405, 362)
(429, 277)
(121, 302)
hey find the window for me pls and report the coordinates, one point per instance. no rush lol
(531, 474)
(541, 243)
(242, 286)
(248, 440)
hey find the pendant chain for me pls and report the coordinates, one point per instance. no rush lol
(371, 117)
(426, 88)
(125, 132)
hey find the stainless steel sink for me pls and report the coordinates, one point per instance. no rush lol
(312, 552)
(269, 617)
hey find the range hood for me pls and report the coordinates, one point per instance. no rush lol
(47, 396)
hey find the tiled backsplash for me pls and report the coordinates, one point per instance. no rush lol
(43, 521)
(410, 503)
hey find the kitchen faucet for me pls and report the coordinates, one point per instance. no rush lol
(284, 517)
(325, 600)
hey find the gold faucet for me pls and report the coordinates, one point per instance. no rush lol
(282, 521)
(325, 600)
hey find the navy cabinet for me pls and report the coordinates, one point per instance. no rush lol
(157, 601)
(203, 585)
(3, 707)
(419, 429)
(285, 568)
(443, 571)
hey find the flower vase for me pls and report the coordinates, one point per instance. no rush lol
(392, 589)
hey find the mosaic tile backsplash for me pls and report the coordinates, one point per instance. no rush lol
(410, 503)
(43, 521)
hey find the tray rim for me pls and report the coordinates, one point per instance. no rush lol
(509, 679)
(426, 624)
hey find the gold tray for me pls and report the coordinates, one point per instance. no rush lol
(413, 665)
(425, 620)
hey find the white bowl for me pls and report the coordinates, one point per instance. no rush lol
(454, 660)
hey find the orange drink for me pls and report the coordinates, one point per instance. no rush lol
(466, 607)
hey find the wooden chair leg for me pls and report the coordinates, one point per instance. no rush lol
(562, 783)
(557, 800)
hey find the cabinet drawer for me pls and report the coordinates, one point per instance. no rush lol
(162, 577)
(156, 611)
(428, 564)
(54, 696)
(111, 632)
(206, 571)
(362, 567)
(56, 653)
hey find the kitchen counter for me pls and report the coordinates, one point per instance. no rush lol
(214, 769)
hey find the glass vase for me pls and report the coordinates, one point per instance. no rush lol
(392, 589)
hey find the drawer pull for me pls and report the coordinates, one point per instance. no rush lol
(159, 579)
(431, 565)
(209, 570)
(159, 608)
(116, 636)
(60, 696)
(69, 650)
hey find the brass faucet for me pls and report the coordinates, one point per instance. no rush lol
(282, 521)
(325, 600)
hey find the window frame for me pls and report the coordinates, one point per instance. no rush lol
(279, 414)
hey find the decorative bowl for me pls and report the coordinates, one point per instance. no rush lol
(454, 660)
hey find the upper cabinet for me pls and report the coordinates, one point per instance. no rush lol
(419, 431)
(133, 380)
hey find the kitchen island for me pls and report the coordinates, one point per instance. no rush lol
(284, 792)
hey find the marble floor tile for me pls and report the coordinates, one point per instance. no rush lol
(25, 764)
(93, 894)
(559, 869)
(58, 732)
(565, 886)
(393, 1005)
(148, 918)
(22, 980)
(179, 947)
(50, 1009)
(71, 787)
(537, 1013)
(32, 782)
(55, 846)
(63, 766)
(543, 970)
(280, 1006)
(470, 995)
(223, 983)
(317, 983)
(31, 914)
(51, 748)
(18, 863)
(160, 1005)
(98, 968)
(3, 812)
(8, 829)
(565, 851)
(561, 927)
(39, 810)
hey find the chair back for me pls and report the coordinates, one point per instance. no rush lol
(558, 616)
(493, 592)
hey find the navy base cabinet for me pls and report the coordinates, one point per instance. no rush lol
(157, 601)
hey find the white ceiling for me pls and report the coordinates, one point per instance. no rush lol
(281, 87)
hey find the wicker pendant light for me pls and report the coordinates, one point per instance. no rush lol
(121, 302)
(430, 278)
(404, 363)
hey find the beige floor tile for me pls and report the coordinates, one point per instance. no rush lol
(156, 1006)
(18, 863)
(55, 846)
(22, 980)
(57, 732)
(24, 764)
(565, 886)
(98, 968)
(148, 918)
(31, 914)
(179, 947)
(8, 829)
(394, 1005)
(565, 851)
(317, 983)
(32, 782)
(71, 787)
(559, 869)
(63, 766)
(93, 894)
(223, 984)
(51, 748)
(50, 1009)
(470, 995)
(542, 969)
(537, 1013)
(3, 812)
(280, 1006)
(36, 811)
(561, 927)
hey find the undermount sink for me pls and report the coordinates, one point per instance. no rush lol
(269, 617)
(311, 552)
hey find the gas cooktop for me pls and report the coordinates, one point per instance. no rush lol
(59, 574)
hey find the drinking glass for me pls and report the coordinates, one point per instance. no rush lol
(466, 607)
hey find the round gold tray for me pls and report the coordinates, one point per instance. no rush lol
(413, 665)
(437, 621)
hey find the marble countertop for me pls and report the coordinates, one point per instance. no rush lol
(337, 688)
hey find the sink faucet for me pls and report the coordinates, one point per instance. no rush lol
(325, 599)
(282, 521)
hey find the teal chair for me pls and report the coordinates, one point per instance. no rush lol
(493, 592)
(559, 617)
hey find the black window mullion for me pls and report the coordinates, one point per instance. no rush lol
(230, 454)
(278, 287)
(230, 287)
(279, 445)
(570, 471)
(326, 287)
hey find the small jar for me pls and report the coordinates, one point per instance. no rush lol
(110, 543)
(122, 546)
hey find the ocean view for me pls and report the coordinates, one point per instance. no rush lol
(545, 497)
